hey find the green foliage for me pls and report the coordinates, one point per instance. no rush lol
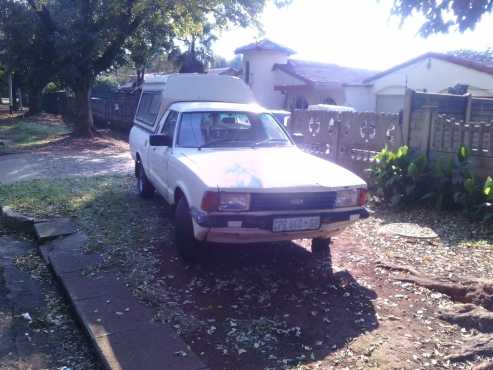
(81, 39)
(442, 16)
(402, 178)
(487, 207)
(105, 86)
(480, 56)
(488, 189)
(447, 180)
(52, 87)
(399, 176)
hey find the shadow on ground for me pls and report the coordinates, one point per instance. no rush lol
(265, 305)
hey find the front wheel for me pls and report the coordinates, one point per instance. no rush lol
(144, 186)
(186, 244)
(321, 250)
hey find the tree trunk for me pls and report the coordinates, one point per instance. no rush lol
(34, 101)
(84, 125)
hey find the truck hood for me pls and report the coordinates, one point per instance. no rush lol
(267, 168)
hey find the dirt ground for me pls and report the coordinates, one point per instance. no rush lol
(272, 306)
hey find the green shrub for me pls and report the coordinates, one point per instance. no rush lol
(398, 177)
(487, 206)
(403, 178)
(447, 188)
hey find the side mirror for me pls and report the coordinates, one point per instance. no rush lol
(298, 138)
(160, 140)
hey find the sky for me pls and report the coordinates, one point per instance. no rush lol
(352, 33)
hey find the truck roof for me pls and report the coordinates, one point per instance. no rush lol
(196, 87)
(216, 106)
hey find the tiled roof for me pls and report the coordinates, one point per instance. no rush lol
(323, 73)
(264, 44)
(486, 68)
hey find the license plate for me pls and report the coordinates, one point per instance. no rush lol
(296, 224)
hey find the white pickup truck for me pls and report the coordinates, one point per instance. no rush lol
(230, 171)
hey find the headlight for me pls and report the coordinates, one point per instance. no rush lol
(347, 198)
(234, 202)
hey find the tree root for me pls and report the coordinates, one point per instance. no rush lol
(470, 316)
(481, 345)
(397, 268)
(479, 292)
(474, 310)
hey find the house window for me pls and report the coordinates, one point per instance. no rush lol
(301, 103)
(247, 72)
(329, 100)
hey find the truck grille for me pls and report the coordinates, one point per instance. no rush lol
(292, 201)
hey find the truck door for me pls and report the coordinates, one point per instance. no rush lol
(159, 155)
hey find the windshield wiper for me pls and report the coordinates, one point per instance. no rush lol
(219, 141)
(270, 141)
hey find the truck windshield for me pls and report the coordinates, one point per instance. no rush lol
(229, 129)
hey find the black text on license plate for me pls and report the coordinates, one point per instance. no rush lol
(296, 223)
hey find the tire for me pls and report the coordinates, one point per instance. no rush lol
(186, 244)
(144, 186)
(321, 249)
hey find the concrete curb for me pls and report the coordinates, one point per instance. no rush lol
(120, 328)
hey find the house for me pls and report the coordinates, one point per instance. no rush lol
(280, 82)
(430, 72)
(228, 71)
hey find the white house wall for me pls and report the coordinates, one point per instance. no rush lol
(434, 75)
(360, 98)
(430, 75)
(262, 78)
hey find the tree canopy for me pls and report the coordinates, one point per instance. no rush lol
(480, 56)
(88, 37)
(443, 16)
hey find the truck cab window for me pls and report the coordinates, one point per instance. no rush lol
(170, 124)
(148, 108)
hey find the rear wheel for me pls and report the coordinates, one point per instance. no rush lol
(144, 186)
(185, 241)
(321, 250)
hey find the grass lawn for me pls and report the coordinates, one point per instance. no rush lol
(28, 133)
(107, 208)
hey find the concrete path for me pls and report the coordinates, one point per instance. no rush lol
(121, 328)
(38, 165)
(36, 332)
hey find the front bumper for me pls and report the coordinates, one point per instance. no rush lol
(250, 228)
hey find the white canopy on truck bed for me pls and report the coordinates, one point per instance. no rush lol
(195, 87)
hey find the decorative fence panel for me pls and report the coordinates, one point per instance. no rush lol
(448, 134)
(440, 124)
(349, 139)
(433, 124)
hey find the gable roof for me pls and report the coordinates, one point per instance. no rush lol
(264, 44)
(485, 68)
(322, 73)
